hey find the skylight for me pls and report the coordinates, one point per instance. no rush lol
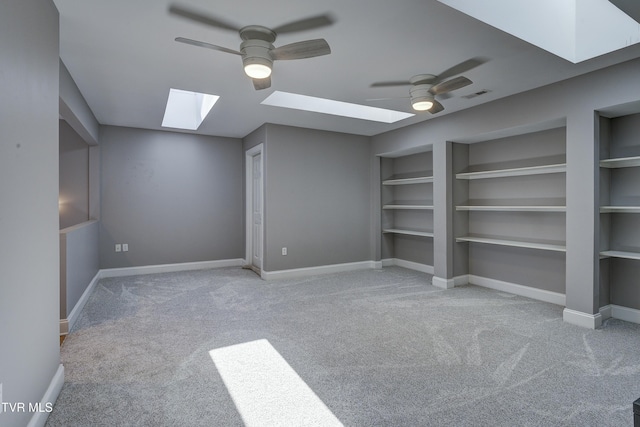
(575, 30)
(187, 110)
(336, 108)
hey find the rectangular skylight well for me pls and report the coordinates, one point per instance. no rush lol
(336, 108)
(187, 110)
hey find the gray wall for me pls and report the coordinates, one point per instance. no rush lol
(75, 109)
(318, 198)
(29, 263)
(74, 177)
(79, 263)
(172, 197)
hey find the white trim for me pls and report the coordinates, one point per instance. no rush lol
(169, 268)
(424, 268)
(513, 288)
(443, 283)
(625, 313)
(585, 320)
(388, 262)
(248, 194)
(322, 269)
(50, 396)
(67, 324)
(605, 312)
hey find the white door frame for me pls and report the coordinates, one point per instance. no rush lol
(249, 155)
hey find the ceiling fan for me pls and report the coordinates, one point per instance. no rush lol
(257, 50)
(425, 87)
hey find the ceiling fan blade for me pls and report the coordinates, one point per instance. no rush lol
(389, 84)
(202, 18)
(206, 45)
(305, 24)
(449, 85)
(300, 50)
(437, 107)
(462, 67)
(260, 84)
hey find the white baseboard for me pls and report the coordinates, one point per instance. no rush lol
(605, 312)
(424, 268)
(578, 318)
(169, 268)
(443, 283)
(50, 396)
(67, 324)
(322, 269)
(625, 313)
(513, 288)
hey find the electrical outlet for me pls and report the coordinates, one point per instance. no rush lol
(125, 247)
(284, 251)
(118, 247)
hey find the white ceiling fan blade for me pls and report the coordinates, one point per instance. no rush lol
(202, 18)
(207, 45)
(391, 83)
(449, 85)
(437, 107)
(305, 24)
(462, 67)
(260, 84)
(300, 50)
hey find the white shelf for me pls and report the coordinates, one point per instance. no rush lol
(499, 173)
(408, 181)
(621, 254)
(494, 208)
(514, 243)
(408, 206)
(622, 162)
(619, 209)
(408, 232)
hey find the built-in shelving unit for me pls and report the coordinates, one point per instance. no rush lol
(622, 162)
(407, 207)
(408, 232)
(620, 209)
(510, 172)
(496, 208)
(510, 208)
(514, 243)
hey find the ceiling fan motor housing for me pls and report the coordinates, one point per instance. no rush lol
(420, 93)
(256, 53)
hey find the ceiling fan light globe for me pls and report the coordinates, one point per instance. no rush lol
(257, 71)
(422, 105)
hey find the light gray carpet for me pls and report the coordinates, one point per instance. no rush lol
(379, 348)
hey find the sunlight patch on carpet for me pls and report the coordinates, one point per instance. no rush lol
(266, 390)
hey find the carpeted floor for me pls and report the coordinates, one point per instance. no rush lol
(377, 347)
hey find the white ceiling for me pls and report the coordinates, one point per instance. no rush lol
(123, 57)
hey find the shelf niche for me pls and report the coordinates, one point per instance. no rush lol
(620, 211)
(510, 210)
(407, 207)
